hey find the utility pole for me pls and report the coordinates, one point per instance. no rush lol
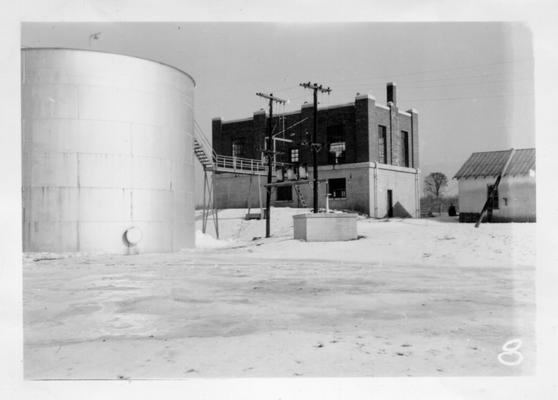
(315, 146)
(269, 154)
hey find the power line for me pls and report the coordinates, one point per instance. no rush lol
(471, 97)
(372, 79)
(448, 85)
(292, 126)
(434, 80)
(491, 82)
(398, 75)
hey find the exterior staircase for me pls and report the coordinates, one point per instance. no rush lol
(202, 156)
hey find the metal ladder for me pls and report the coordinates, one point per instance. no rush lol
(300, 196)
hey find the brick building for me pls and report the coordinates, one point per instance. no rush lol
(369, 156)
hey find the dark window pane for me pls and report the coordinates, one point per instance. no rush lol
(404, 148)
(382, 144)
(337, 188)
(238, 148)
(284, 193)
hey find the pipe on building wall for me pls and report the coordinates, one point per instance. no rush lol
(375, 190)
(390, 144)
(417, 194)
(412, 152)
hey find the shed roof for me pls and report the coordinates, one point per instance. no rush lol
(491, 163)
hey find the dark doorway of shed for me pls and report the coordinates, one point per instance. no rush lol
(390, 204)
(492, 199)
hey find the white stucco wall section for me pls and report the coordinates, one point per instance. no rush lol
(366, 186)
(516, 196)
(404, 184)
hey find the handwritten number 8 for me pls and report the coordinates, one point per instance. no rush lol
(511, 356)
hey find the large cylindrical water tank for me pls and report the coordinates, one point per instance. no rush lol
(107, 153)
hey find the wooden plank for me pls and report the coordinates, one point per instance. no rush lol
(494, 188)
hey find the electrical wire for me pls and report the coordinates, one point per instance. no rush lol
(417, 83)
(438, 82)
(470, 67)
(471, 97)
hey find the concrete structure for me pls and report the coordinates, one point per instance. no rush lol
(325, 227)
(107, 153)
(515, 199)
(369, 156)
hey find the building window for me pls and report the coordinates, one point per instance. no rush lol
(337, 188)
(284, 193)
(238, 148)
(382, 144)
(492, 200)
(294, 156)
(404, 148)
(336, 144)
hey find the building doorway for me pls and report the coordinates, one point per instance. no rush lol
(390, 204)
(492, 198)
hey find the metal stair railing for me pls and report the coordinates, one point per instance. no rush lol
(210, 160)
(239, 164)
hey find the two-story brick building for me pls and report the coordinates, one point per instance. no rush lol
(368, 157)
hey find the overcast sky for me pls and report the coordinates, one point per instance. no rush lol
(472, 83)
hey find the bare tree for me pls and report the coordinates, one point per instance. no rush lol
(434, 185)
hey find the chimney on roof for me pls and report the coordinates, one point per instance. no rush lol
(391, 93)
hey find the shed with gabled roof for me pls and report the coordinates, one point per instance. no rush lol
(515, 198)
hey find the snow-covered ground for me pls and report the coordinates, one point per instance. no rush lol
(427, 297)
(438, 241)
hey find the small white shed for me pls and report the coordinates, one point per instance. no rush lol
(515, 198)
